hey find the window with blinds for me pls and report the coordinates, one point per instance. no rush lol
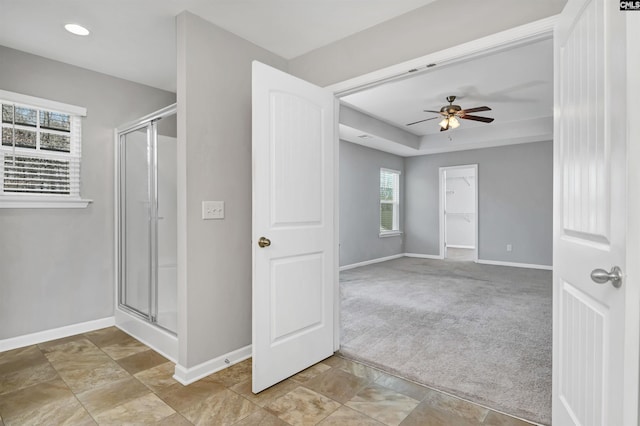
(389, 201)
(40, 149)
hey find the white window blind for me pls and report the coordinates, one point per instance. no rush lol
(40, 149)
(389, 201)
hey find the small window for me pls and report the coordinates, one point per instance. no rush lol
(389, 201)
(40, 152)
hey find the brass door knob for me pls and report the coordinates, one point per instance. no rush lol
(264, 242)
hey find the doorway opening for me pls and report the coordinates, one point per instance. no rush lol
(459, 212)
(453, 231)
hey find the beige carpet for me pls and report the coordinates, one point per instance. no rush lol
(480, 332)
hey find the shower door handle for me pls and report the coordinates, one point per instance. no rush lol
(264, 242)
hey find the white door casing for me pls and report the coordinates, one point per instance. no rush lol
(294, 161)
(594, 331)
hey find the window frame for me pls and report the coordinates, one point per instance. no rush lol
(395, 202)
(35, 200)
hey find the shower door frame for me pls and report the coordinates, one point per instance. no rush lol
(148, 122)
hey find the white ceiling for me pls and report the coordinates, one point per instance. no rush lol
(517, 84)
(135, 39)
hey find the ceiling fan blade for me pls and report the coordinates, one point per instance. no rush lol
(420, 121)
(476, 118)
(477, 109)
(435, 112)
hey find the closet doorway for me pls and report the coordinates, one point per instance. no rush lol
(459, 212)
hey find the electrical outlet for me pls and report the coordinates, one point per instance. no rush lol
(509, 247)
(213, 210)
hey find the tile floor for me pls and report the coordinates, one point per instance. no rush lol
(108, 378)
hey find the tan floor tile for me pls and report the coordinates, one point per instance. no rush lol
(83, 379)
(52, 343)
(261, 418)
(337, 384)
(107, 336)
(182, 397)
(147, 409)
(360, 370)
(174, 420)
(403, 386)
(26, 377)
(426, 415)
(158, 378)
(20, 358)
(311, 372)
(383, 404)
(302, 406)
(233, 375)
(15, 404)
(221, 408)
(76, 354)
(142, 361)
(347, 416)
(334, 361)
(497, 419)
(67, 411)
(266, 396)
(100, 399)
(124, 349)
(455, 405)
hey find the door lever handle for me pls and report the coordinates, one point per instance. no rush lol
(601, 276)
(264, 242)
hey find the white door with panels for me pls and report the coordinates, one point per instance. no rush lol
(294, 225)
(595, 336)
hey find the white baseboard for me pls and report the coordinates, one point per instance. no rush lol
(460, 246)
(161, 341)
(372, 261)
(55, 333)
(424, 256)
(515, 264)
(187, 376)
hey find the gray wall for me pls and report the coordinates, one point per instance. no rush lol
(56, 265)
(436, 26)
(214, 163)
(515, 192)
(359, 204)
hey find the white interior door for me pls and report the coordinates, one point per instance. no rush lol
(595, 333)
(294, 164)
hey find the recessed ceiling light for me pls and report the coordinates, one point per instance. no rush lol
(76, 29)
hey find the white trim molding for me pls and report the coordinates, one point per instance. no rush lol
(55, 333)
(515, 264)
(371, 262)
(187, 376)
(8, 202)
(158, 339)
(424, 256)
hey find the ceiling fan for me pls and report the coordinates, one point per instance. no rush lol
(451, 113)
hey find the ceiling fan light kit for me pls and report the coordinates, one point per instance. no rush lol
(452, 112)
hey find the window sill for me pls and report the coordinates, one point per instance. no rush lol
(390, 234)
(43, 203)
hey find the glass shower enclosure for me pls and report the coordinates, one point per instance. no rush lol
(147, 223)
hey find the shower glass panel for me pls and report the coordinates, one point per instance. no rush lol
(135, 192)
(148, 219)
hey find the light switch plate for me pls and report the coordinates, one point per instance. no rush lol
(213, 209)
